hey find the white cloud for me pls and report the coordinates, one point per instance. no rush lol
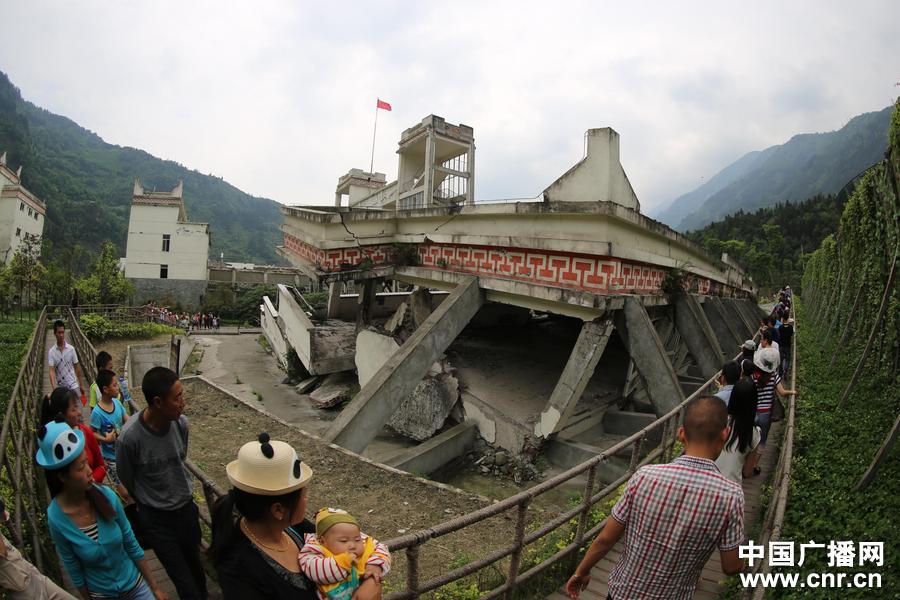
(278, 97)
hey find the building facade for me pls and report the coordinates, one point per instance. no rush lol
(166, 255)
(21, 212)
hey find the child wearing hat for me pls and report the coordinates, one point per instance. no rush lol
(340, 556)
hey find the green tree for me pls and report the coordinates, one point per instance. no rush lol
(26, 270)
(106, 284)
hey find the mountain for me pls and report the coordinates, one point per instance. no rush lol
(805, 166)
(87, 184)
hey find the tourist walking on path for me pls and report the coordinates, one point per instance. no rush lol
(63, 361)
(673, 517)
(64, 404)
(88, 524)
(738, 459)
(768, 383)
(256, 555)
(728, 376)
(19, 579)
(150, 456)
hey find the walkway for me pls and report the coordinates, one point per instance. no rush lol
(712, 578)
(158, 571)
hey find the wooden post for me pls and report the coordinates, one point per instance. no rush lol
(846, 333)
(879, 321)
(879, 457)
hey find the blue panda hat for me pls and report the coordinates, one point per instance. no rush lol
(58, 445)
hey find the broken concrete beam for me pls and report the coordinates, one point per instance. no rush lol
(335, 389)
(373, 349)
(626, 422)
(363, 418)
(568, 453)
(421, 306)
(307, 385)
(729, 339)
(494, 426)
(698, 334)
(649, 355)
(429, 456)
(396, 320)
(579, 368)
(426, 409)
(334, 299)
(737, 319)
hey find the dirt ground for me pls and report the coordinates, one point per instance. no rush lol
(388, 504)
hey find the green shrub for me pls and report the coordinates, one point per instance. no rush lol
(98, 329)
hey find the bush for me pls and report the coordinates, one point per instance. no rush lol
(98, 329)
(14, 337)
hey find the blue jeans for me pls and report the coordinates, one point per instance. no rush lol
(764, 422)
(139, 592)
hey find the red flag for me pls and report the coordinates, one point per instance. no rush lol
(383, 105)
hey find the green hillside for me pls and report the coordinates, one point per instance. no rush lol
(770, 242)
(87, 186)
(807, 165)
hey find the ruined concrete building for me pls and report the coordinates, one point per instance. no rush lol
(561, 323)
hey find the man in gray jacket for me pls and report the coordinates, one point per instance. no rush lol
(150, 454)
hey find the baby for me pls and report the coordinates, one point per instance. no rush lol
(339, 557)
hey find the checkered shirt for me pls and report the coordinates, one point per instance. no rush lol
(675, 515)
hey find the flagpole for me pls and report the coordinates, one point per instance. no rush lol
(374, 130)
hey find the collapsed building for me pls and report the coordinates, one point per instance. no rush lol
(559, 324)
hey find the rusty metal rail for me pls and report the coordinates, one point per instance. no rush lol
(17, 448)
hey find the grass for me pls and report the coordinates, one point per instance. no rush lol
(14, 338)
(833, 448)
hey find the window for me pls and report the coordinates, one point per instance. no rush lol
(30, 212)
(167, 240)
(36, 215)
(18, 232)
(163, 271)
(22, 206)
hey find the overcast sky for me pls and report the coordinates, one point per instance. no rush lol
(278, 97)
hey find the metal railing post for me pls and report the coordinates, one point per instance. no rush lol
(516, 556)
(412, 570)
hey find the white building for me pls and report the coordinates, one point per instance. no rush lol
(165, 255)
(21, 212)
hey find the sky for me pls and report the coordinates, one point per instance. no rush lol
(278, 97)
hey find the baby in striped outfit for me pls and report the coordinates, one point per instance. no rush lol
(340, 557)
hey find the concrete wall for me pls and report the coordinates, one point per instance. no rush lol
(598, 177)
(188, 247)
(188, 294)
(296, 325)
(268, 318)
(18, 217)
(144, 357)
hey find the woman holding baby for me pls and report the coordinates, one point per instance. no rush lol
(264, 547)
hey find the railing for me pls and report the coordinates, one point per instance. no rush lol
(781, 480)
(666, 427)
(17, 449)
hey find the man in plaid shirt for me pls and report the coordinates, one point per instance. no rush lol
(673, 517)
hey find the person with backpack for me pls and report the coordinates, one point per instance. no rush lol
(768, 383)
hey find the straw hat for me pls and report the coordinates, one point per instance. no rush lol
(268, 468)
(58, 445)
(767, 359)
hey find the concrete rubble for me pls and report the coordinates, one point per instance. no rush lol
(336, 388)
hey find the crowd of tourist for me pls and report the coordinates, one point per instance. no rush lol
(119, 483)
(674, 516)
(189, 322)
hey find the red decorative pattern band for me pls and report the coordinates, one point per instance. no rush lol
(593, 274)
